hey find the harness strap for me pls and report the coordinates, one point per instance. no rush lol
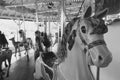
(96, 43)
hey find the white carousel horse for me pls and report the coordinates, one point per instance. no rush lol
(86, 47)
(82, 46)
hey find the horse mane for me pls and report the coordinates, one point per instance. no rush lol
(62, 47)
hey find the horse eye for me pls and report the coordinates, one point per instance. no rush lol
(83, 29)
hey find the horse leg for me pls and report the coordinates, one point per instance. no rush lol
(25, 51)
(15, 51)
(27, 55)
(6, 64)
(9, 61)
(1, 77)
(19, 51)
(1, 72)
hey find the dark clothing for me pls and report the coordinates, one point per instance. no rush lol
(39, 43)
(3, 40)
(46, 41)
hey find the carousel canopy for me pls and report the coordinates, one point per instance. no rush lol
(49, 10)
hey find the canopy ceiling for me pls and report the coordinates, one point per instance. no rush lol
(48, 10)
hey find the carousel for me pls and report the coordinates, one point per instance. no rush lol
(79, 51)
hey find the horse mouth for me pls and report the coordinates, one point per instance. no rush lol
(101, 56)
(106, 62)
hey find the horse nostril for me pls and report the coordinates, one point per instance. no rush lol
(100, 58)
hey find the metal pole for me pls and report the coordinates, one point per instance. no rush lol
(45, 28)
(19, 25)
(49, 27)
(37, 19)
(62, 16)
(98, 74)
(23, 18)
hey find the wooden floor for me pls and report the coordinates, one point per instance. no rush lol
(21, 69)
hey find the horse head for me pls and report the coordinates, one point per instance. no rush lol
(90, 30)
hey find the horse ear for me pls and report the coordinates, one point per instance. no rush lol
(102, 13)
(88, 12)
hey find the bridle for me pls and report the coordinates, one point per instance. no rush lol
(96, 43)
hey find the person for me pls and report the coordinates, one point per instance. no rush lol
(38, 60)
(22, 35)
(3, 40)
(38, 44)
(46, 42)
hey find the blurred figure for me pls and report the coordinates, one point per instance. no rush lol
(3, 41)
(37, 56)
(46, 42)
(38, 44)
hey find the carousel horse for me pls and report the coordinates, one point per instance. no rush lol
(83, 46)
(16, 45)
(5, 54)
